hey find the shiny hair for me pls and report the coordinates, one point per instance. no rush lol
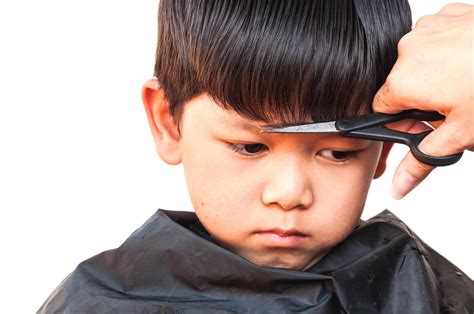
(278, 60)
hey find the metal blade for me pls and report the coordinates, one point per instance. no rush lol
(324, 127)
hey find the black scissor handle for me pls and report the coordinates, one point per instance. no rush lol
(378, 118)
(381, 133)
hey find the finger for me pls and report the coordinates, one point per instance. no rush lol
(385, 101)
(398, 93)
(418, 127)
(453, 9)
(447, 139)
(411, 126)
(410, 172)
(408, 175)
(408, 125)
(441, 142)
(435, 124)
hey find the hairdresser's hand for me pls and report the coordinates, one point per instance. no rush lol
(434, 71)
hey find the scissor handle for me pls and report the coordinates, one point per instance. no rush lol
(378, 118)
(381, 133)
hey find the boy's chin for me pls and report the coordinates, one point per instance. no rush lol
(286, 261)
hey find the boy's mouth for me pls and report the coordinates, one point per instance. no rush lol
(281, 238)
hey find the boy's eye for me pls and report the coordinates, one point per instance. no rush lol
(247, 149)
(336, 155)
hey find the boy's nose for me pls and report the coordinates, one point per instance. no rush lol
(289, 186)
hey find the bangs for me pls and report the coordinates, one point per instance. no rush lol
(279, 61)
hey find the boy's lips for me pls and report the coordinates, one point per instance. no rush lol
(281, 237)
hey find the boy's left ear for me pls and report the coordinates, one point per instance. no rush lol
(383, 159)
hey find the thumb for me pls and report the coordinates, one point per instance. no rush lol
(443, 141)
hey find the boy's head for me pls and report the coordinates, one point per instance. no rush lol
(224, 69)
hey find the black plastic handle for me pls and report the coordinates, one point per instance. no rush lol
(377, 119)
(381, 133)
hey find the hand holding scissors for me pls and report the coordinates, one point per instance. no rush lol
(434, 71)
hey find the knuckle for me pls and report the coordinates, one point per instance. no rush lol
(425, 20)
(392, 85)
(458, 141)
(453, 7)
(390, 82)
(404, 43)
(449, 6)
(419, 170)
(456, 138)
(388, 97)
(380, 102)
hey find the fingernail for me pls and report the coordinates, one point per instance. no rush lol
(402, 184)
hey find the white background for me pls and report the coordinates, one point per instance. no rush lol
(78, 171)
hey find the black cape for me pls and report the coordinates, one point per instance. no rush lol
(172, 265)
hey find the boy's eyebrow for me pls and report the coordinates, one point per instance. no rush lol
(247, 126)
(241, 125)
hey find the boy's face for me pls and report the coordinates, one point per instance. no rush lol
(279, 200)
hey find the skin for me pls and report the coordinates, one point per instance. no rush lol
(434, 71)
(289, 182)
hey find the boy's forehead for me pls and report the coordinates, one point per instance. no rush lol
(237, 121)
(232, 119)
(216, 114)
(211, 113)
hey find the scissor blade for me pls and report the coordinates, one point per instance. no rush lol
(324, 127)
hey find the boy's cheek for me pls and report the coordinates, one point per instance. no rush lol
(216, 186)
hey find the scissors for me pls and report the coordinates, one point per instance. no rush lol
(372, 127)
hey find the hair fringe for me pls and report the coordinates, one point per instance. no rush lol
(276, 60)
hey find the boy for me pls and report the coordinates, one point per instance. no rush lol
(277, 224)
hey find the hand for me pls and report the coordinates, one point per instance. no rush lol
(434, 71)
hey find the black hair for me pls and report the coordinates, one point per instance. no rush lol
(278, 61)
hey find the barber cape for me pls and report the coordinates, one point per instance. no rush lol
(172, 265)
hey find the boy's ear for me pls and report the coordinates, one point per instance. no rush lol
(163, 127)
(383, 159)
